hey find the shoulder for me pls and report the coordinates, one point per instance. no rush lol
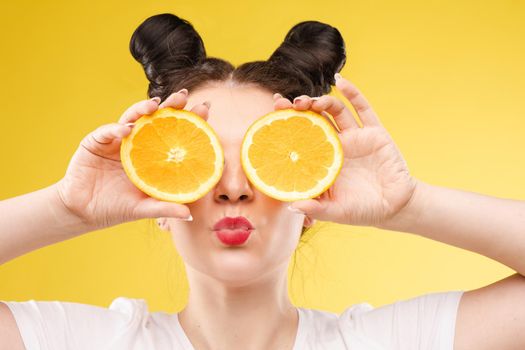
(71, 325)
(427, 320)
(325, 329)
(130, 308)
(121, 310)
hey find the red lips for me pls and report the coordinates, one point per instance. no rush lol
(228, 223)
(233, 231)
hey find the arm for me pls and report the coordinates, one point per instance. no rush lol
(94, 193)
(491, 317)
(375, 188)
(34, 220)
(11, 338)
(490, 226)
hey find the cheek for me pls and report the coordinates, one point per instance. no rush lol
(190, 239)
(282, 234)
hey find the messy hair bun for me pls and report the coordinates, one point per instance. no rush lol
(173, 56)
(313, 52)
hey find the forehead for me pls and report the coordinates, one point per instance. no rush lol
(233, 108)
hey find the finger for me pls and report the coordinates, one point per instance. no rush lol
(202, 109)
(323, 210)
(153, 208)
(302, 103)
(281, 102)
(308, 222)
(176, 100)
(109, 132)
(139, 109)
(357, 99)
(337, 109)
(105, 141)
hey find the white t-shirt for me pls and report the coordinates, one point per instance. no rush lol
(426, 322)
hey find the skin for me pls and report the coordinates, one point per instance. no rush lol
(231, 288)
(249, 283)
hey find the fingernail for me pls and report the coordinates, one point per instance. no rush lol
(337, 76)
(189, 218)
(156, 99)
(130, 124)
(183, 91)
(207, 104)
(277, 95)
(294, 210)
(315, 98)
(297, 100)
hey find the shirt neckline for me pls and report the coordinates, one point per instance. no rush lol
(299, 335)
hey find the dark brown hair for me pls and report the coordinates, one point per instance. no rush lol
(173, 56)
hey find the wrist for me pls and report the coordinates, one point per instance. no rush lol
(71, 221)
(406, 219)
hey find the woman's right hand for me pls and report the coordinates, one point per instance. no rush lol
(95, 187)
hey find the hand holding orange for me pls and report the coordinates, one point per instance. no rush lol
(95, 187)
(374, 183)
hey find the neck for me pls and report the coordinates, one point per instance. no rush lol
(257, 315)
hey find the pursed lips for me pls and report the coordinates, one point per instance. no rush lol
(232, 223)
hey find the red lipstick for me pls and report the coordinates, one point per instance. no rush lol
(233, 231)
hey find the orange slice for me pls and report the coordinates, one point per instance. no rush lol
(291, 155)
(173, 155)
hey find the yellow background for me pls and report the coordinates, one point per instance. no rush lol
(446, 78)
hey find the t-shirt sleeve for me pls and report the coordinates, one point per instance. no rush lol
(426, 322)
(58, 325)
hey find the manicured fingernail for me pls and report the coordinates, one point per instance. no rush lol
(207, 104)
(337, 76)
(297, 100)
(294, 210)
(156, 99)
(189, 218)
(183, 91)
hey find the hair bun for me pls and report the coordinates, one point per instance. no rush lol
(166, 46)
(314, 52)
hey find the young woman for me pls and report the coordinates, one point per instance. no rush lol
(238, 295)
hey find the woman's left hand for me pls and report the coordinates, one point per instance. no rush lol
(374, 183)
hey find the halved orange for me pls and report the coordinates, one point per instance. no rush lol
(292, 155)
(173, 155)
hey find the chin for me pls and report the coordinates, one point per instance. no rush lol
(235, 268)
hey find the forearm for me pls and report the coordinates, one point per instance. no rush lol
(493, 227)
(34, 220)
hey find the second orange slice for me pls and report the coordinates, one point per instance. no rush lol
(291, 155)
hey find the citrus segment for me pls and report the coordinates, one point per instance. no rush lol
(291, 155)
(172, 155)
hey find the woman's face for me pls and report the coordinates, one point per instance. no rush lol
(276, 229)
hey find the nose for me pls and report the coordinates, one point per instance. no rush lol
(233, 186)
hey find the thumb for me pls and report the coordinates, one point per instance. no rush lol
(319, 209)
(310, 207)
(153, 208)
